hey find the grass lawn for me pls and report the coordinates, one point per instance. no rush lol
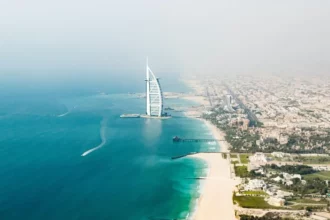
(324, 175)
(241, 171)
(314, 160)
(244, 158)
(252, 202)
(310, 201)
(259, 192)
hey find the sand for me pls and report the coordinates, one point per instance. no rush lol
(216, 199)
(215, 202)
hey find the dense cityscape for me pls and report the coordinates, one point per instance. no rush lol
(278, 131)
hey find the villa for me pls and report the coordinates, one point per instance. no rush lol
(255, 184)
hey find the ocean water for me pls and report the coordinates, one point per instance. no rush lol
(129, 176)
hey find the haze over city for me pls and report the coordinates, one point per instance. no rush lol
(180, 37)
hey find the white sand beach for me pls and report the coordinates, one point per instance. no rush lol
(215, 202)
(216, 199)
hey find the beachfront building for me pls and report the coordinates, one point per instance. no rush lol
(278, 154)
(259, 157)
(255, 184)
(287, 178)
(154, 95)
(257, 160)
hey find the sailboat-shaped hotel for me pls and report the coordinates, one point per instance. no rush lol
(154, 98)
(154, 95)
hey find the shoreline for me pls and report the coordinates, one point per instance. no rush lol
(217, 189)
(215, 201)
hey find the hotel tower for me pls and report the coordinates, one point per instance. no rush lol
(154, 95)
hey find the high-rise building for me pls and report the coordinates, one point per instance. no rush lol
(154, 95)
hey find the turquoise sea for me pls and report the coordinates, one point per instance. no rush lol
(131, 176)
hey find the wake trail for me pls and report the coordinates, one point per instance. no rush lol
(103, 138)
(63, 114)
(66, 113)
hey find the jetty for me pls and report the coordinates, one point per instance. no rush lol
(178, 139)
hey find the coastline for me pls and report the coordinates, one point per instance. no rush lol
(216, 193)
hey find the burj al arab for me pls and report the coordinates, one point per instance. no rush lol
(154, 96)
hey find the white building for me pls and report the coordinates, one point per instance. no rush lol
(154, 95)
(255, 184)
(282, 194)
(256, 161)
(258, 157)
(320, 167)
(277, 179)
(279, 154)
(288, 176)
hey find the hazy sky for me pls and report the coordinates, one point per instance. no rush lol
(211, 37)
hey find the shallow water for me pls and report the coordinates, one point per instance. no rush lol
(128, 175)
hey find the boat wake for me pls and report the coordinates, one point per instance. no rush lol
(66, 113)
(63, 114)
(103, 138)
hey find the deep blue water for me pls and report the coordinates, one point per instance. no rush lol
(44, 176)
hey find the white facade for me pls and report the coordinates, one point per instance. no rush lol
(255, 184)
(258, 157)
(278, 154)
(154, 95)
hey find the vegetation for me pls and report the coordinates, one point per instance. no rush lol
(308, 201)
(313, 160)
(293, 169)
(323, 175)
(243, 141)
(237, 138)
(258, 192)
(244, 158)
(268, 216)
(242, 171)
(251, 202)
(315, 185)
(314, 181)
(233, 155)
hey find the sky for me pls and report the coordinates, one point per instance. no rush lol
(63, 38)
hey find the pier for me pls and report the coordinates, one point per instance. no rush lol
(178, 139)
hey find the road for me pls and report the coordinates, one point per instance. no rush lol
(251, 115)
